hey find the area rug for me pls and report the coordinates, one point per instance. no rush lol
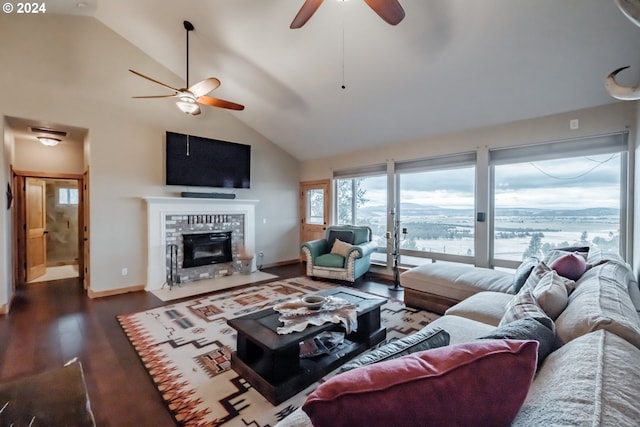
(186, 349)
(206, 286)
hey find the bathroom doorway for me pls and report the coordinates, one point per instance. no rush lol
(51, 242)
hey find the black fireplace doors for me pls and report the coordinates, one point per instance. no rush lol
(206, 248)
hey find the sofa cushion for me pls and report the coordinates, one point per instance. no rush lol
(486, 307)
(522, 273)
(536, 274)
(524, 305)
(591, 381)
(329, 260)
(341, 248)
(424, 339)
(460, 329)
(552, 293)
(456, 281)
(477, 383)
(570, 265)
(527, 329)
(600, 301)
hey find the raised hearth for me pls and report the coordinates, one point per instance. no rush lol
(201, 215)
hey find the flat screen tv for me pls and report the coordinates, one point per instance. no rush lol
(203, 162)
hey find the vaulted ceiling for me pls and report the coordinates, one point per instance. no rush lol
(450, 65)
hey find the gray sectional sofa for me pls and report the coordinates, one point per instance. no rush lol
(592, 374)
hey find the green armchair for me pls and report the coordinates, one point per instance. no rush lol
(342, 261)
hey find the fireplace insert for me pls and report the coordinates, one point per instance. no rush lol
(206, 248)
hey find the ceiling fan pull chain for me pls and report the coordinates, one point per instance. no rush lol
(343, 85)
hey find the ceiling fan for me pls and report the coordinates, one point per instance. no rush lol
(190, 98)
(389, 10)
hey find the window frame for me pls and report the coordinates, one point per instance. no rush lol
(617, 142)
(432, 164)
(377, 170)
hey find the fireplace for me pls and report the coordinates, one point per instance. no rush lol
(206, 248)
(169, 218)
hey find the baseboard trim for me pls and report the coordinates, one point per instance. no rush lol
(100, 294)
(6, 308)
(282, 263)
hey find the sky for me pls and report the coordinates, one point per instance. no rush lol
(590, 181)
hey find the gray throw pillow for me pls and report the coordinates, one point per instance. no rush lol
(527, 328)
(424, 339)
(522, 273)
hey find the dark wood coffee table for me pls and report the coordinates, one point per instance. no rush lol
(271, 363)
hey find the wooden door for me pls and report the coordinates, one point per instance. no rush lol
(36, 228)
(315, 201)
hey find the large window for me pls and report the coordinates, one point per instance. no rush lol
(436, 205)
(557, 195)
(362, 200)
(495, 206)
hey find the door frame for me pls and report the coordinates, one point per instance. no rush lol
(324, 184)
(20, 216)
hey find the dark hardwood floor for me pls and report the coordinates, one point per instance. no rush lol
(53, 322)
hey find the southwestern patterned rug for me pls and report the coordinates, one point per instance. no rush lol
(186, 349)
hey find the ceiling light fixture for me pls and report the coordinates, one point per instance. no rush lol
(188, 107)
(48, 141)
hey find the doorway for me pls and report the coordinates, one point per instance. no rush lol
(49, 224)
(314, 209)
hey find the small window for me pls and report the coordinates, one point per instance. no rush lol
(315, 206)
(67, 196)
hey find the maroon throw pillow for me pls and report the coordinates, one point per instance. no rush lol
(476, 383)
(572, 266)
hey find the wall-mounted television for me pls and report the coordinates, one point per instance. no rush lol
(204, 162)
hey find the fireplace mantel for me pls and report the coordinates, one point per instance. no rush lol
(159, 207)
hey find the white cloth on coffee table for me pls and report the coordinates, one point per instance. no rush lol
(295, 316)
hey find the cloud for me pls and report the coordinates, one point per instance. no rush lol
(591, 181)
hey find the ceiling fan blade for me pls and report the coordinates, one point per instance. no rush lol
(153, 80)
(204, 87)
(389, 10)
(306, 11)
(154, 96)
(220, 103)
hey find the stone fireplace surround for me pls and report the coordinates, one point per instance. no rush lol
(163, 213)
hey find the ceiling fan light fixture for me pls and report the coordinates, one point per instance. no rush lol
(188, 107)
(48, 141)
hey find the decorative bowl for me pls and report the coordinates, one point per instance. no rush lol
(313, 302)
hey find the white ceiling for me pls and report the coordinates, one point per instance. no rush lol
(450, 65)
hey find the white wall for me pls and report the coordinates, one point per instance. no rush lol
(31, 155)
(73, 71)
(594, 121)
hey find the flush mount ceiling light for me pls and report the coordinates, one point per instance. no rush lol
(48, 136)
(187, 103)
(48, 141)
